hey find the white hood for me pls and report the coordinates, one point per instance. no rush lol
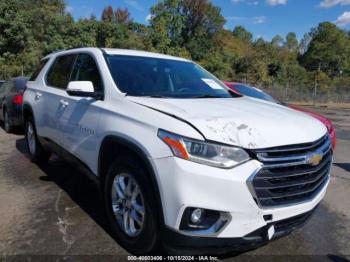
(244, 122)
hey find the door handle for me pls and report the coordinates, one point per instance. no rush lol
(64, 103)
(37, 96)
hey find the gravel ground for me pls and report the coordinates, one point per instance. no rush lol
(54, 213)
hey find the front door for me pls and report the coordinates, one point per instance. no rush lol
(80, 118)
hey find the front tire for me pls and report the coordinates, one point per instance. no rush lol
(130, 206)
(37, 154)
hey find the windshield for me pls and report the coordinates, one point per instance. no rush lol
(155, 77)
(252, 92)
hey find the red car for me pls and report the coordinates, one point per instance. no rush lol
(257, 93)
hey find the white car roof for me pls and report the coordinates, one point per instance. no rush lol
(116, 51)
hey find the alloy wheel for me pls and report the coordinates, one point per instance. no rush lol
(31, 138)
(128, 204)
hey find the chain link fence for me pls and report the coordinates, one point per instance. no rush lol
(302, 95)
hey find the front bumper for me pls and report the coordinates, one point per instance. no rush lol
(186, 184)
(176, 242)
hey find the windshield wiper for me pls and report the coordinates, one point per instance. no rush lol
(152, 96)
(156, 96)
(208, 96)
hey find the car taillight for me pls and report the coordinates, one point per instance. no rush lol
(17, 99)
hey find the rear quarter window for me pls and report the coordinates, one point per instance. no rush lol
(60, 71)
(38, 69)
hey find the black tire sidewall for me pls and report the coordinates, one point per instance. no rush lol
(147, 241)
(31, 155)
(40, 155)
(7, 125)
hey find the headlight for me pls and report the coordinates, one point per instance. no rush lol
(202, 152)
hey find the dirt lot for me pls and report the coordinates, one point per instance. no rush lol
(53, 212)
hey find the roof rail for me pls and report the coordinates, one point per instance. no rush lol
(70, 48)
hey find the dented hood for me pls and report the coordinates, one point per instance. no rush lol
(244, 122)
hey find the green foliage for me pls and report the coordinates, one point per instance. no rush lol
(291, 42)
(83, 33)
(215, 65)
(328, 50)
(243, 34)
(191, 24)
(29, 29)
(277, 41)
(194, 29)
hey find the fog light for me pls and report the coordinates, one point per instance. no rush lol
(196, 216)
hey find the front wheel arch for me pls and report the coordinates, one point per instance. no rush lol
(114, 146)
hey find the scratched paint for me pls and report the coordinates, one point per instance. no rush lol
(232, 132)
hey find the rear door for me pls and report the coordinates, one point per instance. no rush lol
(35, 88)
(80, 118)
(52, 96)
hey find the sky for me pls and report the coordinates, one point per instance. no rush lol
(264, 18)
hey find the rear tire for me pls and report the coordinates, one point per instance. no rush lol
(141, 235)
(7, 125)
(37, 153)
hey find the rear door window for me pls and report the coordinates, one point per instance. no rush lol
(60, 72)
(85, 69)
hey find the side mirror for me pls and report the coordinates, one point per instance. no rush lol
(82, 88)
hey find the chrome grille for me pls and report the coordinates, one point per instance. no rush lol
(289, 175)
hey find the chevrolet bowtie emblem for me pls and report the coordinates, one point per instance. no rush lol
(315, 159)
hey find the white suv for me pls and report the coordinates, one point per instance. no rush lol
(180, 160)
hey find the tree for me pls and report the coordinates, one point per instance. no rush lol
(166, 25)
(203, 22)
(83, 33)
(277, 41)
(122, 16)
(190, 24)
(48, 24)
(241, 33)
(304, 43)
(291, 42)
(12, 22)
(29, 29)
(108, 14)
(215, 64)
(201, 18)
(329, 50)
